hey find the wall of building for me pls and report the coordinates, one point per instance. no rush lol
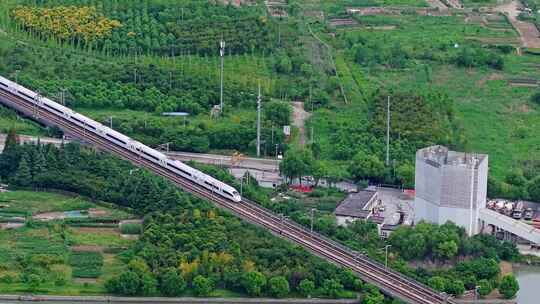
(444, 190)
(427, 180)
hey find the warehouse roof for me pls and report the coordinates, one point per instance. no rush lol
(356, 204)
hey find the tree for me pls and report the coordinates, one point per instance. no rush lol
(534, 189)
(411, 244)
(484, 287)
(253, 282)
(347, 278)
(296, 163)
(127, 283)
(34, 281)
(278, 112)
(366, 166)
(373, 296)
(12, 140)
(455, 287)
(23, 177)
(172, 283)
(405, 175)
(320, 170)
(332, 288)
(437, 283)
(536, 97)
(509, 286)
(202, 286)
(446, 250)
(306, 287)
(279, 286)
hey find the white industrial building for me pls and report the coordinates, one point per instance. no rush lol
(450, 186)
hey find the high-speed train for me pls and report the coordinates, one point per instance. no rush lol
(121, 140)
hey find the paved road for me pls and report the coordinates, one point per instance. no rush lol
(31, 139)
(260, 164)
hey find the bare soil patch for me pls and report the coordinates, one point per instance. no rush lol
(97, 230)
(49, 216)
(530, 37)
(490, 77)
(85, 280)
(506, 268)
(87, 248)
(299, 118)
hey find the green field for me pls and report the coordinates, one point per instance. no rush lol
(39, 258)
(495, 117)
(31, 203)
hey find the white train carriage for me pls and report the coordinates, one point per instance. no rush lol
(120, 139)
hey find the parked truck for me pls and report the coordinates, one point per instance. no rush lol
(517, 213)
(528, 215)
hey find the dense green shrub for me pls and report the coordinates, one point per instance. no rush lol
(131, 228)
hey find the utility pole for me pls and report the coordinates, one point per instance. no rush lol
(110, 121)
(386, 255)
(311, 226)
(272, 133)
(221, 54)
(388, 131)
(279, 34)
(259, 123)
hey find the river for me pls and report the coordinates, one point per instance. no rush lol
(529, 282)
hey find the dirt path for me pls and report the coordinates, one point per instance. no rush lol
(437, 4)
(530, 37)
(299, 118)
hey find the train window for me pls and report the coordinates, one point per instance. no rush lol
(3, 84)
(183, 171)
(227, 192)
(150, 155)
(54, 109)
(77, 120)
(24, 94)
(113, 137)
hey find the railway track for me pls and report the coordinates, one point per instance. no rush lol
(389, 281)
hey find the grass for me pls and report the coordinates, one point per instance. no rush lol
(497, 118)
(46, 241)
(106, 237)
(30, 203)
(39, 202)
(86, 264)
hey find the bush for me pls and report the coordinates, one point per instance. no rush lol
(61, 274)
(279, 287)
(536, 97)
(317, 193)
(202, 286)
(484, 287)
(509, 286)
(131, 228)
(306, 287)
(8, 277)
(172, 283)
